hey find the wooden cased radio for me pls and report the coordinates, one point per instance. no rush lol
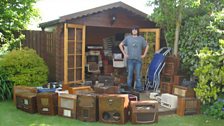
(113, 108)
(47, 103)
(106, 89)
(67, 105)
(183, 91)
(188, 106)
(17, 89)
(87, 107)
(26, 101)
(75, 90)
(143, 112)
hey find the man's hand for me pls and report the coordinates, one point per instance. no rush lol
(143, 56)
(125, 56)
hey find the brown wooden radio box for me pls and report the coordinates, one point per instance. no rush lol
(17, 89)
(67, 105)
(178, 79)
(166, 87)
(143, 112)
(26, 101)
(75, 90)
(188, 106)
(87, 107)
(106, 89)
(113, 108)
(183, 91)
(47, 103)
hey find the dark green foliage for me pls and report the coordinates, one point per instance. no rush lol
(216, 110)
(5, 89)
(24, 67)
(196, 35)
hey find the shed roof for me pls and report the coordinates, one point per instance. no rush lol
(93, 11)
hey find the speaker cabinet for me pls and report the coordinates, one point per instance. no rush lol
(183, 91)
(87, 107)
(17, 89)
(47, 103)
(67, 105)
(26, 101)
(113, 108)
(188, 106)
(144, 112)
(75, 90)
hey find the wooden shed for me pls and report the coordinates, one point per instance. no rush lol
(76, 33)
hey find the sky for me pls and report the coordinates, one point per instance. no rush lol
(53, 9)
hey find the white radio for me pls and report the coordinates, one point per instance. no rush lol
(169, 101)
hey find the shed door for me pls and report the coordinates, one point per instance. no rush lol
(74, 53)
(152, 36)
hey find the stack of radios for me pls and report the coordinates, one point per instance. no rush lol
(84, 104)
(187, 102)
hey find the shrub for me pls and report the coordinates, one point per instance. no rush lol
(24, 67)
(5, 89)
(216, 110)
(210, 74)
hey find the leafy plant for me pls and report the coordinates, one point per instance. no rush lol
(24, 67)
(5, 89)
(210, 74)
(216, 110)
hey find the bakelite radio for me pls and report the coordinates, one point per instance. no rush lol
(47, 103)
(143, 112)
(67, 105)
(113, 108)
(26, 101)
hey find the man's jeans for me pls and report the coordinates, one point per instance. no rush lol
(134, 65)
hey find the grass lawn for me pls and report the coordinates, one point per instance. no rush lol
(10, 116)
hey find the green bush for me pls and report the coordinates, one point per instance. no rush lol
(196, 34)
(5, 89)
(216, 110)
(210, 74)
(24, 67)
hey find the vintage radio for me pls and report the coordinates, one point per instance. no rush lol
(17, 89)
(113, 108)
(188, 106)
(107, 80)
(178, 79)
(169, 101)
(67, 105)
(183, 91)
(47, 103)
(75, 90)
(87, 107)
(144, 111)
(42, 90)
(167, 78)
(26, 101)
(106, 89)
(166, 87)
(141, 95)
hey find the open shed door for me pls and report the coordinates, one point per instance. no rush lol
(74, 53)
(152, 36)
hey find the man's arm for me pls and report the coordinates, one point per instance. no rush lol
(146, 50)
(121, 46)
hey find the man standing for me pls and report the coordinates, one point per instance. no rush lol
(135, 45)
